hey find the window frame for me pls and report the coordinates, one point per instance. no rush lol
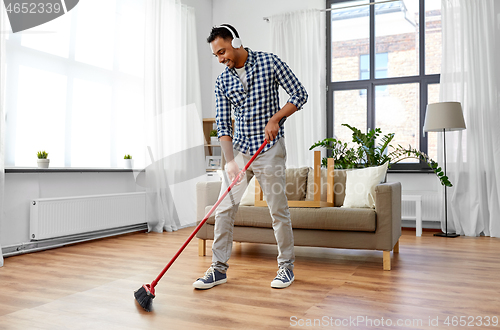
(379, 70)
(369, 84)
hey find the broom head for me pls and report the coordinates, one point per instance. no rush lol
(144, 296)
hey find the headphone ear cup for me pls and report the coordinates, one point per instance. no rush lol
(236, 43)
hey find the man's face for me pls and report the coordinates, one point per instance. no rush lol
(224, 51)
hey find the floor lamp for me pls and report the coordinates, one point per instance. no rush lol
(442, 117)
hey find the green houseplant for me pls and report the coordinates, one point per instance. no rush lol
(366, 153)
(369, 153)
(128, 161)
(42, 162)
(213, 137)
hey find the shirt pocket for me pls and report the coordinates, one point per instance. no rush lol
(237, 96)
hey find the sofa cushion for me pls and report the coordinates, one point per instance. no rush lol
(296, 183)
(325, 218)
(339, 178)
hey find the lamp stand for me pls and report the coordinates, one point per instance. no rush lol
(445, 234)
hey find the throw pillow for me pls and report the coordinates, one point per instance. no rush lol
(360, 186)
(248, 198)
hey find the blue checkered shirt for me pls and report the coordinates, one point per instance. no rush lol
(255, 107)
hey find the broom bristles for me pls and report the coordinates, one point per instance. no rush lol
(144, 297)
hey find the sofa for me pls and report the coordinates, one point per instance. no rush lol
(365, 228)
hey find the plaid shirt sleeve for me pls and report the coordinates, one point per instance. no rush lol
(223, 111)
(287, 79)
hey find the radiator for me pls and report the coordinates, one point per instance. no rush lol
(431, 206)
(57, 217)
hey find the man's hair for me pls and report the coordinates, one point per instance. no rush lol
(221, 32)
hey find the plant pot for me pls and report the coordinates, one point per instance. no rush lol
(43, 163)
(128, 163)
(214, 140)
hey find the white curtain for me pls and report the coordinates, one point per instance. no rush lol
(470, 74)
(174, 129)
(2, 120)
(298, 38)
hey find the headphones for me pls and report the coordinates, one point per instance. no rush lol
(236, 42)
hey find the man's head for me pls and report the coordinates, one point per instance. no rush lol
(225, 31)
(226, 46)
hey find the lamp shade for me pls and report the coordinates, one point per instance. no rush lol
(444, 116)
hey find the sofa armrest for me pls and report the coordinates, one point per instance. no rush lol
(388, 208)
(206, 194)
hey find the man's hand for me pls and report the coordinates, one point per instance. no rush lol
(273, 125)
(272, 129)
(232, 170)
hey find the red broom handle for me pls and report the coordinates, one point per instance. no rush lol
(155, 282)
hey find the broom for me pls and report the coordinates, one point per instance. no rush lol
(146, 293)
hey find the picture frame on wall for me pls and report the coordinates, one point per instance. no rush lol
(213, 162)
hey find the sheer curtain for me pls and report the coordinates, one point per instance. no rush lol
(470, 74)
(2, 120)
(298, 38)
(173, 120)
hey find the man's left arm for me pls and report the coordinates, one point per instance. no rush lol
(298, 97)
(273, 127)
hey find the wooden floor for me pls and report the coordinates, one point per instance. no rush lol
(91, 285)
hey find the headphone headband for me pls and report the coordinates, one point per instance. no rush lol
(236, 42)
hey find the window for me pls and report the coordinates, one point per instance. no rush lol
(380, 69)
(395, 49)
(75, 87)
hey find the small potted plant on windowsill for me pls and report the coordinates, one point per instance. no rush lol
(128, 161)
(43, 162)
(214, 140)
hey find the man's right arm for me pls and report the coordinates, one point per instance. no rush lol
(225, 130)
(222, 112)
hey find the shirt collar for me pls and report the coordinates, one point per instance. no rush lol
(248, 63)
(251, 58)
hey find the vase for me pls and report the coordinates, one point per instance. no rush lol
(43, 163)
(128, 163)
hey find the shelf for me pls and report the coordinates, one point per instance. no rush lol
(208, 125)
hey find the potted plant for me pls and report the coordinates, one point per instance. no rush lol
(43, 162)
(214, 140)
(128, 161)
(367, 153)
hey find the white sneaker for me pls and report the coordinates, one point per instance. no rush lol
(284, 278)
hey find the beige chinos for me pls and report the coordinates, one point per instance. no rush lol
(269, 169)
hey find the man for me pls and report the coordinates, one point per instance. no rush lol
(249, 87)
